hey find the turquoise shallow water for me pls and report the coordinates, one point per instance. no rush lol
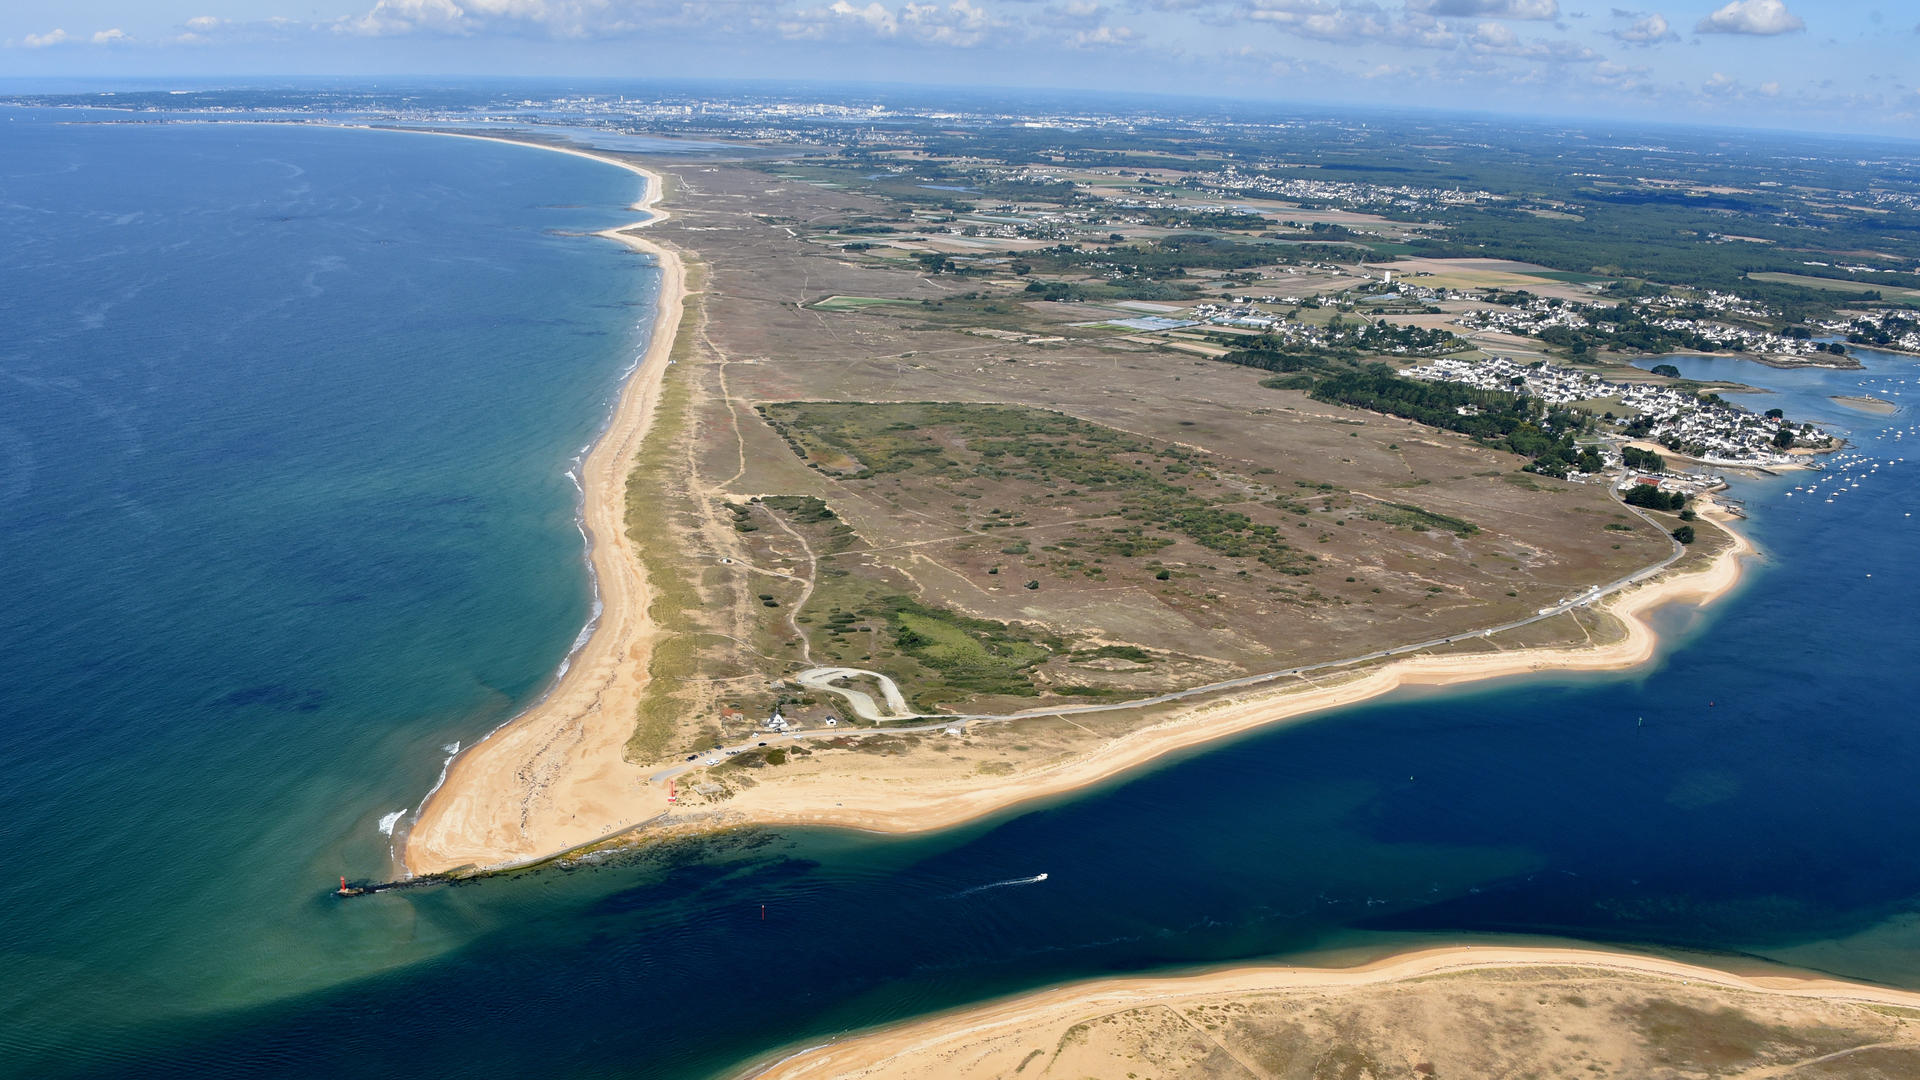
(286, 417)
(293, 410)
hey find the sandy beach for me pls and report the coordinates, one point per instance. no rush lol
(997, 1038)
(554, 778)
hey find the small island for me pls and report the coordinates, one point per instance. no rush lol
(1867, 403)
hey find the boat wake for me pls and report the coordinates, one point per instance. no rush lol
(1034, 880)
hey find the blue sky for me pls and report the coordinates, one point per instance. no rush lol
(1822, 64)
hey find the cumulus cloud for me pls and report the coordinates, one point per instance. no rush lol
(1321, 20)
(1102, 37)
(405, 16)
(110, 37)
(1488, 9)
(1076, 11)
(1627, 78)
(1649, 30)
(1498, 39)
(203, 23)
(959, 24)
(55, 36)
(556, 18)
(1761, 17)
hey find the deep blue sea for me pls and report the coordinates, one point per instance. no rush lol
(285, 420)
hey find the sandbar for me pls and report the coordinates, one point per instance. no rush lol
(1226, 1016)
(1867, 403)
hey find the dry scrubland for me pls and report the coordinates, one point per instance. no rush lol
(1003, 510)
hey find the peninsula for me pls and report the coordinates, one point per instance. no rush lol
(1056, 543)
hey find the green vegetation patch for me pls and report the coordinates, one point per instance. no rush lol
(855, 303)
(1515, 422)
(1134, 653)
(977, 655)
(1151, 486)
(1408, 516)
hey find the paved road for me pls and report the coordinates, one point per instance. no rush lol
(961, 720)
(821, 678)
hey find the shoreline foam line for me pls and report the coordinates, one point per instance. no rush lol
(529, 788)
(959, 1034)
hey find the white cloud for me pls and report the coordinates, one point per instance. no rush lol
(1102, 37)
(1488, 9)
(1762, 17)
(1498, 39)
(1621, 77)
(556, 18)
(960, 24)
(56, 36)
(110, 37)
(1647, 31)
(404, 16)
(1349, 23)
(1077, 11)
(202, 23)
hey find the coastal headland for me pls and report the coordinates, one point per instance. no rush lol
(1452, 1011)
(740, 533)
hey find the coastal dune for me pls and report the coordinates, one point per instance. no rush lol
(554, 777)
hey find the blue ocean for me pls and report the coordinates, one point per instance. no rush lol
(286, 419)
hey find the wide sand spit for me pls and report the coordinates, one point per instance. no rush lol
(987, 1040)
(554, 778)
